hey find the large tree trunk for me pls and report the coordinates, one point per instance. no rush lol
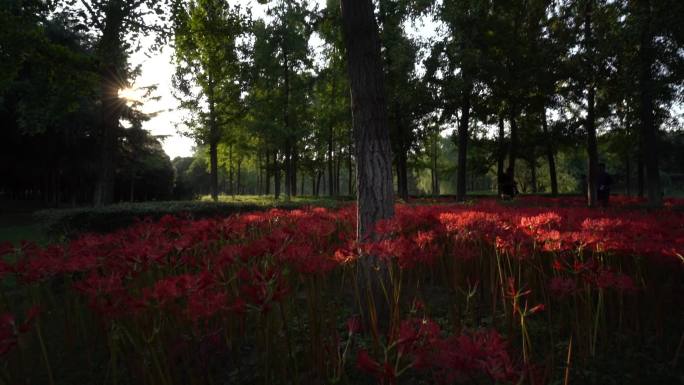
(463, 144)
(369, 111)
(649, 131)
(590, 122)
(550, 155)
(375, 196)
(113, 59)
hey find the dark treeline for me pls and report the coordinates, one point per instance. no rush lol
(539, 90)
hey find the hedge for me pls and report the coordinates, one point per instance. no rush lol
(67, 223)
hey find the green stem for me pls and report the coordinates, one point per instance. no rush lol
(44, 352)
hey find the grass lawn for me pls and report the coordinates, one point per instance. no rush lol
(21, 225)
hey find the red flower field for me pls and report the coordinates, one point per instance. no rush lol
(487, 292)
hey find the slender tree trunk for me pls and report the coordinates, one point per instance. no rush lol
(350, 171)
(513, 145)
(238, 186)
(500, 158)
(463, 144)
(435, 172)
(640, 173)
(533, 173)
(331, 143)
(288, 170)
(267, 186)
(293, 171)
(550, 155)
(628, 175)
(590, 122)
(649, 130)
(231, 172)
(276, 172)
(402, 175)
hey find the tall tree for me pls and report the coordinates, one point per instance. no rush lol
(117, 25)
(369, 111)
(208, 72)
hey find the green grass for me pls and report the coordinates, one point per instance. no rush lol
(21, 225)
(269, 200)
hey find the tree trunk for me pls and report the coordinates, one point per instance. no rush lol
(550, 156)
(267, 185)
(649, 131)
(375, 196)
(590, 122)
(435, 173)
(500, 156)
(238, 183)
(231, 172)
(331, 145)
(350, 171)
(113, 60)
(513, 145)
(276, 175)
(402, 175)
(533, 173)
(369, 112)
(628, 175)
(463, 144)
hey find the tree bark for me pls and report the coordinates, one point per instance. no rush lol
(375, 196)
(369, 113)
(435, 172)
(276, 173)
(513, 145)
(649, 131)
(463, 143)
(113, 60)
(550, 155)
(590, 122)
(500, 156)
(213, 145)
(402, 175)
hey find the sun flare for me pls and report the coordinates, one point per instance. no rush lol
(131, 95)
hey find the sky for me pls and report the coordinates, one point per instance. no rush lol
(157, 69)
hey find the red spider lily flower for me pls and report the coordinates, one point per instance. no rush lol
(6, 248)
(537, 308)
(31, 314)
(367, 364)
(8, 334)
(344, 256)
(624, 283)
(353, 324)
(5, 268)
(561, 287)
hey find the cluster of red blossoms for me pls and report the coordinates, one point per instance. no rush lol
(418, 344)
(199, 270)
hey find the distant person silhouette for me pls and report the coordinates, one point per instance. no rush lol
(604, 182)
